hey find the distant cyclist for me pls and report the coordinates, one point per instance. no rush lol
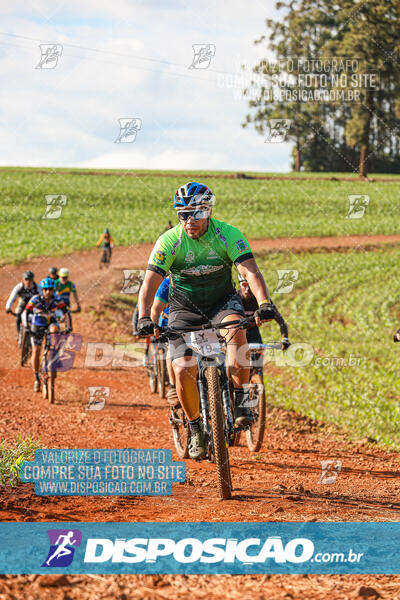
(53, 273)
(24, 292)
(43, 307)
(250, 306)
(64, 288)
(106, 240)
(159, 314)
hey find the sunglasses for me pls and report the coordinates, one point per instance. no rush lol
(196, 215)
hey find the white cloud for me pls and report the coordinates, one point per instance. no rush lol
(69, 115)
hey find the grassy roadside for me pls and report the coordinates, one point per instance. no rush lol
(345, 307)
(11, 457)
(343, 310)
(137, 209)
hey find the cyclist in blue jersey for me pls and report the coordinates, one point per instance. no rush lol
(43, 307)
(160, 308)
(159, 315)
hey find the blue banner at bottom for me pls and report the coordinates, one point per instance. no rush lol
(199, 548)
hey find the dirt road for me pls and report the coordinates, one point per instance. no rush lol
(279, 483)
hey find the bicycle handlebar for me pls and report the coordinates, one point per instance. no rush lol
(268, 346)
(169, 333)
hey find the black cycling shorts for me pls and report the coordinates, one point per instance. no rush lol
(37, 335)
(185, 319)
(253, 335)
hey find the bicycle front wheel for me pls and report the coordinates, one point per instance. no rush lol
(218, 433)
(255, 434)
(25, 345)
(161, 367)
(49, 375)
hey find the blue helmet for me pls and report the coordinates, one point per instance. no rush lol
(106, 231)
(47, 283)
(193, 194)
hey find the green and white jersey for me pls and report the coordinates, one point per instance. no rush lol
(201, 269)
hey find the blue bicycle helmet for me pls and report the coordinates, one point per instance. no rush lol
(193, 194)
(47, 283)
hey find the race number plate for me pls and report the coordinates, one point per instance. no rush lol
(204, 342)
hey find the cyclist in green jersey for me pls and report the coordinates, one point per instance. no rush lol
(64, 287)
(199, 254)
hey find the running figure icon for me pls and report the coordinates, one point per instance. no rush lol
(62, 547)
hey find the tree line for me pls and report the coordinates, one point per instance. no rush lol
(332, 69)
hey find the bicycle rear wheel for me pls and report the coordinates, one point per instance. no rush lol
(218, 433)
(255, 434)
(51, 388)
(161, 374)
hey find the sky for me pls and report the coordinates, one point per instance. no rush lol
(130, 59)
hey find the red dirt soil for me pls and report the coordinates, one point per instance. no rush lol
(279, 483)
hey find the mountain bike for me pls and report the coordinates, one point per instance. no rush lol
(105, 257)
(157, 367)
(180, 430)
(48, 369)
(64, 319)
(216, 401)
(162, 373)
(24, 341)
(255, 433)
(52, 352)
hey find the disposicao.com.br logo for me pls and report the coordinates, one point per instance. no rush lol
(212, 550)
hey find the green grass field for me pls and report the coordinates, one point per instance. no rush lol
(346, 306)
(136, 209)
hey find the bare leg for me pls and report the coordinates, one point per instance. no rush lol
(186, 386)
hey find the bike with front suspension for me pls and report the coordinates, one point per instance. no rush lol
(54, 344)
(24, 340)
(216, 399)
(156, 366)
(255, 433)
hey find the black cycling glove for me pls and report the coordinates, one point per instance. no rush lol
(266, 312)
(145, 327)
(395, 336)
